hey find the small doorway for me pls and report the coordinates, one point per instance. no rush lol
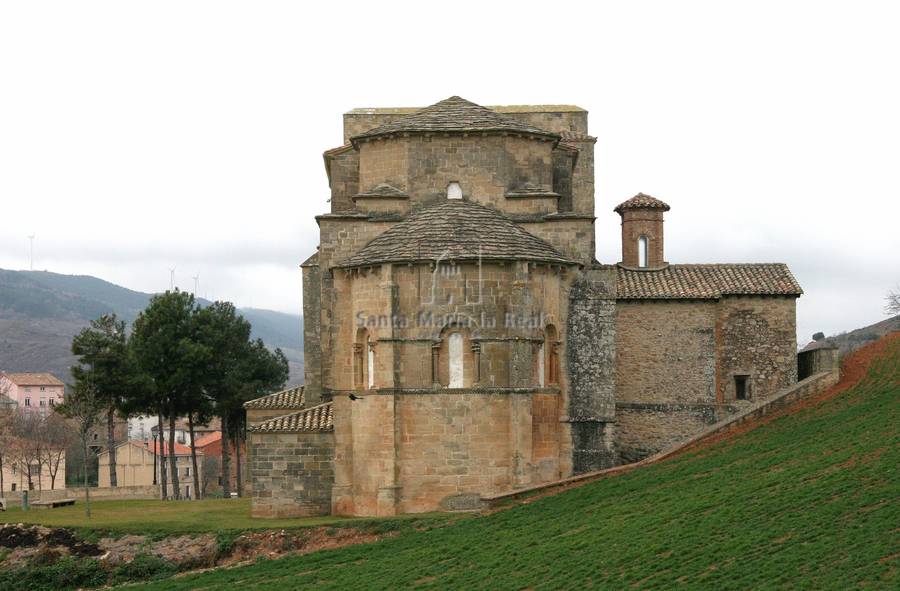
(741, 388)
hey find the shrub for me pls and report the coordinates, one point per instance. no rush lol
(144, 567)
(67, 573)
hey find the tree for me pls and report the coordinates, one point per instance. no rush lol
(211, 467)
(58, 436)
(893, 301)
(84, 406)
(27, 444)
(167, 351)
(6, 413)
(261, 372)
(102, 350)
(240, 370)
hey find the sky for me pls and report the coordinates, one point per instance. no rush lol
(137, 137)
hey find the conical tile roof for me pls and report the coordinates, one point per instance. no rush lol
(642, 200)
(455, 230)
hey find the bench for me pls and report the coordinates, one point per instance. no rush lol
(52, 504)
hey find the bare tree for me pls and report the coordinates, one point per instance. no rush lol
(6, 411)
(211, 466)
(59, 435)
(84, 407)
(893, 301)
(28, 444)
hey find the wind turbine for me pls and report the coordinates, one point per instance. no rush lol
(172, 278)
(196, 283)
(31, 263)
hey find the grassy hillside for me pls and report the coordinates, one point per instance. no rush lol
(810, 500)
(40, 312)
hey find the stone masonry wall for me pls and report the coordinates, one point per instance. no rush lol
(757, 337)
(312, 333)
(486, 167)
(344, 179)
(646, 428)
(665, 351)
(547, 118)
(292, 473)
(590, 368)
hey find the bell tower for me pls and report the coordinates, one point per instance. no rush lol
(642, 232)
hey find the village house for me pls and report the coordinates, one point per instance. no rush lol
(33, 392)
(461, 340)
(23, 464)
(138, 464)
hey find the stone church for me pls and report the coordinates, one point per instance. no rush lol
(461, 339)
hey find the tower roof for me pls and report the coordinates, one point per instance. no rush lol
(641, 201)
(455, 230)
(457, 115)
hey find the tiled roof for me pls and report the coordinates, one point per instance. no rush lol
(641, 200)
(707, 281)
(152, 446)
(317, 418)
(816, 345)
(312, 261)
(289, 399)
(33, 379)
(208, 438)
(454, 114)
(182, 424)
(455, 230)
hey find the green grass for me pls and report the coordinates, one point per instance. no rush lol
(809, 501)
(163, 517)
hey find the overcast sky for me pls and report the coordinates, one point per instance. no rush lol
(140, 136)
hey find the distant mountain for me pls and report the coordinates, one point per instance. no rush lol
(40, 312)
(850, 341)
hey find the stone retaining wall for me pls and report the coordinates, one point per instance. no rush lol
(101, 494)
(292, 473)
(799, 391)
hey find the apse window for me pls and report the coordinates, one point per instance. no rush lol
(454, 191)
(455, 350)
(642, 251)
(741, 388)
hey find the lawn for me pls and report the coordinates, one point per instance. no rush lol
(162, 517)
(810, 500)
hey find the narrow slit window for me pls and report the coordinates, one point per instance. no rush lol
(370, 365)
(455, 354)
(454, 191)
(642, 251)
(741, 389)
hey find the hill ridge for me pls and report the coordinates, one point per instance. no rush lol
(40, 312)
